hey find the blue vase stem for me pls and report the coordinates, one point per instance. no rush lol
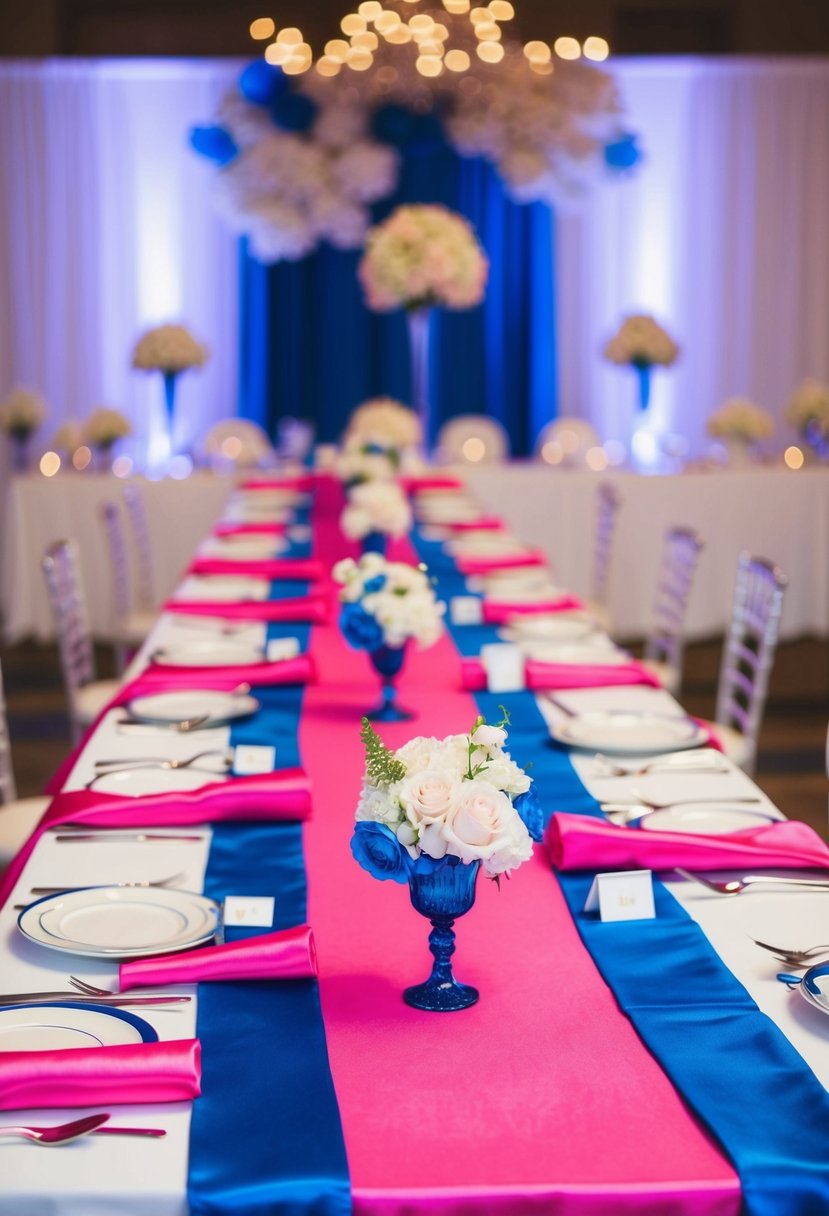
(443, 895)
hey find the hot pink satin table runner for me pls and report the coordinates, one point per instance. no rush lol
(540, 1098)
(309, 609)
(101, 1076)
(305, 569)
(576, 842)
(563, 675)
(498, 612)
(288, 954)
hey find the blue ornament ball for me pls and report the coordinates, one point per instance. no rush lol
(213, 142)
(622, 153)
(262, 83)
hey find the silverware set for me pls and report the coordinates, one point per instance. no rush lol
(626, 812)
(736, 886)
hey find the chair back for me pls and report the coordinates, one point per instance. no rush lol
(566, 441)
(748, 654)
(60, 566)
(119, 562)
(681, 548)
(145, 596)
(472, 439)
(608, 502)
(237, 441)
(8, 790)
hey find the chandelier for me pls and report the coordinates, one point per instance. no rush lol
(307, 145)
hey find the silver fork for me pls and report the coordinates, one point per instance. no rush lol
(794, 958)
(737, 885)
(164, 761)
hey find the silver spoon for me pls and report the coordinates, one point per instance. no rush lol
(737, 885)
(62, 1133)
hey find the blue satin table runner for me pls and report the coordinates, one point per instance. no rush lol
(731, 1063)
(266, 1137)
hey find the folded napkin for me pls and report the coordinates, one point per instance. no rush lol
(503, 561)
(303, 482)
(563, 675)
(253, 529)
(429, 481)
(310, 609)
(101, 1076)
(288, 954)
(498, 612)
(484, 523)
(580, 842)
(305, 568)
(158, 677)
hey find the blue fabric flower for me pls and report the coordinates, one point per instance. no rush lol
(378, 850)
(359, 629)
(531, 811)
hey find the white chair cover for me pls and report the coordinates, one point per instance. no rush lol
(237, 441)
(472, 439)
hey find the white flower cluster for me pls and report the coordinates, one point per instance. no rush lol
(386, 423)
(643, 342)
(455, 800)
(400, 598)
(420, 256)
(286, 192)
(739, 418)
(68, 437)
(104, 426)
(376, 506)
(168, 348)
(358, 461)
(809, 404)
(22, 412)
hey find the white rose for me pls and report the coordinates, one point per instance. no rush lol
(515, 849)
(502, 772)
(489, 736)
(481, 825)
(427, 797)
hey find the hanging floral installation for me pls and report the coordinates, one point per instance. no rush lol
(305, 148)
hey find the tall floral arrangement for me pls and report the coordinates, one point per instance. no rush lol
(168, 348)
(104, 427)
(385, 423)
(808, 411)
(421, 256)
(641, 342)
(461, 797)
(387, 603)
(21, 413)
(741, 419)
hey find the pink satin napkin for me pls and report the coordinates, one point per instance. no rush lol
(301, 670)
(288, 954)
(429, 481)
(307, 609)
(484, 523)
(303, 482)
(101, 1076)
(253, 529)
(504, 561)
(498, 612)
(580, 842)
(306, 569)
(563, 675)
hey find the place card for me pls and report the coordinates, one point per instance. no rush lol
(250, 758)
(503, 663)
(466, 610)
(280, 649)
(253, 910)
(622, 895)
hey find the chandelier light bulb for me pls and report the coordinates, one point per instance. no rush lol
(368, 40)
(456, 6)
(353, 23)
(370, 9)
(477, 15)
(490, 52)
(428, 65)
(440, 31)
(541, 69)
(276, 53)
(400, 35)
(359, 60)
(457, 61)
(567, 48)
(430, 47)
(537, 52)
(596, 49)
(326, 66)
(290, 36)
(387, 21)
(262, 27)
(488, 31)
(337, 50)
(501, 10)
(421, 24)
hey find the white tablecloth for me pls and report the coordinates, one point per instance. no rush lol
(775, 513)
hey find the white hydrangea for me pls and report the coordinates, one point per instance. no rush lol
(170, 348)
(104, 426)
(22, 412)
(739, 418)
(641, 340)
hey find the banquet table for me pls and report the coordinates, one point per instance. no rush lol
(776, 513)
(332, 1096)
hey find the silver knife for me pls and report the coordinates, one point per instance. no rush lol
(73, 997)
(116, 836)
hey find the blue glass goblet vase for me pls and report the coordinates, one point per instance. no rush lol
(443, 894)
(374, 542)
(387, 661)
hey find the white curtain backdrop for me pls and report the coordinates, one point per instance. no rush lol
(722, 233)
(106, 228)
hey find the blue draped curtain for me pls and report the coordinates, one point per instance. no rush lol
(310, 348)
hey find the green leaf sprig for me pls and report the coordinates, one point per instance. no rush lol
(382, 766)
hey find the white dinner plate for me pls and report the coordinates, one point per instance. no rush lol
(579, 654)
(56, 1026)
(553, 626)
(537, 594)
(183, 704)
(700, 818)
(814, 987)
(227, 587)
(250, 513)
(626, 732)
(121, 922)
(134, 782)
(244, 547)
(489, 546)
(208, 652)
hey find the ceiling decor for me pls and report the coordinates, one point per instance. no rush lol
(306, 146)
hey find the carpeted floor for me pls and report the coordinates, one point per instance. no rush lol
(792, 758)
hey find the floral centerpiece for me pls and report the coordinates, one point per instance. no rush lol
(808, 411)
(643, 344)
(375, 511)
(385, 423)
(432, 813)
(385, 605)
(103, 428)
(169, 349)
(358, 462)
(21, 414)
(741, 424)
(68, 437)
